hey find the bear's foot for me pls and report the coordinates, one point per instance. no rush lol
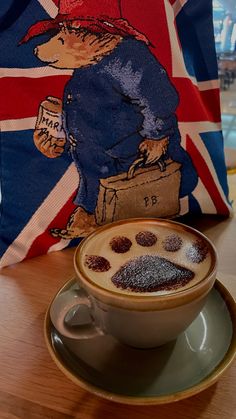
(80, 224)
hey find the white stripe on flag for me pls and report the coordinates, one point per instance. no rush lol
(44, 215)
(18, 124)
(201, 85)
(185, 127)
(178, 64)
(59, 246)
(178, 5)
(202, 126)
(184, 205)
(33, 73)
(200, 193)
(195, 137)
(183, 138)
(208, 85)
(49, 6)
(204, 199)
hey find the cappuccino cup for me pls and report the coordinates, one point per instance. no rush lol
(143, 281)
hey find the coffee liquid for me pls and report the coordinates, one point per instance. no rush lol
(145, 258)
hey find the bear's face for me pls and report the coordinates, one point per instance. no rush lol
(71, 49)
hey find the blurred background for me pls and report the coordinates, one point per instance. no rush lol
(224, 18)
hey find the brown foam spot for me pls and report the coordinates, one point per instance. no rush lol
(97, 263)
(197, 252)
(146, 238)
(172, 243)
(151, 273)
(120, 244)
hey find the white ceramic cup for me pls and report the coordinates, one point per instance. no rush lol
(134, 319)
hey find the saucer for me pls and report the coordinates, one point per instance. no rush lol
(172, 372)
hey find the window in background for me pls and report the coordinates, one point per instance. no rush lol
(224, 19)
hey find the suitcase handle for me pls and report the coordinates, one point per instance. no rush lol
(141, 161)
(134, 166)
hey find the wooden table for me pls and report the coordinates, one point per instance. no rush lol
(32, 387)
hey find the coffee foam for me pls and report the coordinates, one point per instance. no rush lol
(99, 245)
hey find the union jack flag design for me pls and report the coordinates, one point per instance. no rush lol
(38, 193)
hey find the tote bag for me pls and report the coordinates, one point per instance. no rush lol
(87, 88)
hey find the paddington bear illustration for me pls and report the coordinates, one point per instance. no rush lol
(119, 104)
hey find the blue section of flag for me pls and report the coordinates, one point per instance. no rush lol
(13, 55)
(4, 8)
(26, 180)
(194, 206)
(195, 29)
(213, 141)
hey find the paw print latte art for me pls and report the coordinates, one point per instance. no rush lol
(144, 258)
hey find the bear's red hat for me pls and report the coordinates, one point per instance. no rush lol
(99, 16)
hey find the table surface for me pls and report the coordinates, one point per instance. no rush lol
(32, 387)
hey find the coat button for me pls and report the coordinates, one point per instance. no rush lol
(69, 98)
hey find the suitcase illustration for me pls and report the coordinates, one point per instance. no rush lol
(142, 192)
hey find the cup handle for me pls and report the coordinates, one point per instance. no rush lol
(69, 303)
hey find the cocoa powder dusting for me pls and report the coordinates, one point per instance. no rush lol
(146, 238)
(172, 243)
(151, 273)
(120, 244)
(197, 252)
(97, 263)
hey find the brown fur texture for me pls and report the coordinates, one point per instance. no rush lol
(80, 224)
(153, 150)
(74, 47)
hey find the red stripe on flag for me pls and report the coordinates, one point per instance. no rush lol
(152, 22)
(45, 240)
(21, 96)
(197, 105)
(206, 176)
